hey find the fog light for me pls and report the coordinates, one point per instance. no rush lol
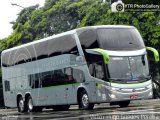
(112, 96)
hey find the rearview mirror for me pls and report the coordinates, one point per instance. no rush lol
(154, 52)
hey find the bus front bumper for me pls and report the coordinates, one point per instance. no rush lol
(130, 95)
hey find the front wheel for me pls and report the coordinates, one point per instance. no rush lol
(31, 107)
(84, 101)
(123, 104)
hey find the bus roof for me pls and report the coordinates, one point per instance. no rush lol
(66, 33)
(39, 41)
(106, 26)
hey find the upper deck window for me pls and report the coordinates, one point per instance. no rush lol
(62, 45)
(120, 39)
(65, 44)
(88, 39)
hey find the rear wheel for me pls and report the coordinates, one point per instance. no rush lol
(124, 103)
(21, 105)
(84, 101)
(31, 107)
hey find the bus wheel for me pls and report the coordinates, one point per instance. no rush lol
(31, 107)
(124, 103)
(21, 105)
(84, 101)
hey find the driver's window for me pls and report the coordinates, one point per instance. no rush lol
(97, 70)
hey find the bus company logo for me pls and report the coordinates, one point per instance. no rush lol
(117, 6)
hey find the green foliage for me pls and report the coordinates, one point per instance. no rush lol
(57, 16)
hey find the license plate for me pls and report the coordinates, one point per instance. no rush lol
(133, 97)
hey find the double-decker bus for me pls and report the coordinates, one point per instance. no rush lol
(85, 66)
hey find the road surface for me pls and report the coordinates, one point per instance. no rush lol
(138, 110)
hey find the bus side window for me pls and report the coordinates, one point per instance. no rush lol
(62, 45)
(88, 39)
(31, 81)
(78, 75)
(59, 77)
(69, 75)
(91, 68)
(99, 70)
(46, 79)
(7, 85)
(36, 80)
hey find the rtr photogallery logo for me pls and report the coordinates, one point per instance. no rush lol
(117, 6)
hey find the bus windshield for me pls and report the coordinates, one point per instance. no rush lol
(120, 39)
(128, 69)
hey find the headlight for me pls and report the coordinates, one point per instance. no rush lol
(149, 86)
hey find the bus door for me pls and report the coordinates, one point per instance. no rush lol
(96, 65)
(97, 70)
(71, 82)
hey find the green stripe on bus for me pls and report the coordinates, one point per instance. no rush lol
(103, 52)
(62, 85)
(156, 54)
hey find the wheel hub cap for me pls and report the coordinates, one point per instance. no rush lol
(85, 100)
(30, 105)
(21, 105)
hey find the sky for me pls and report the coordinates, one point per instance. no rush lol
(8, 13)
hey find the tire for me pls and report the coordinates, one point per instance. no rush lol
(31, 107)
(61, 107)
(21, 104)
(123, 104)
(84, 101)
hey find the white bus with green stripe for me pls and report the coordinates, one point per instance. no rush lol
(85, 66)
